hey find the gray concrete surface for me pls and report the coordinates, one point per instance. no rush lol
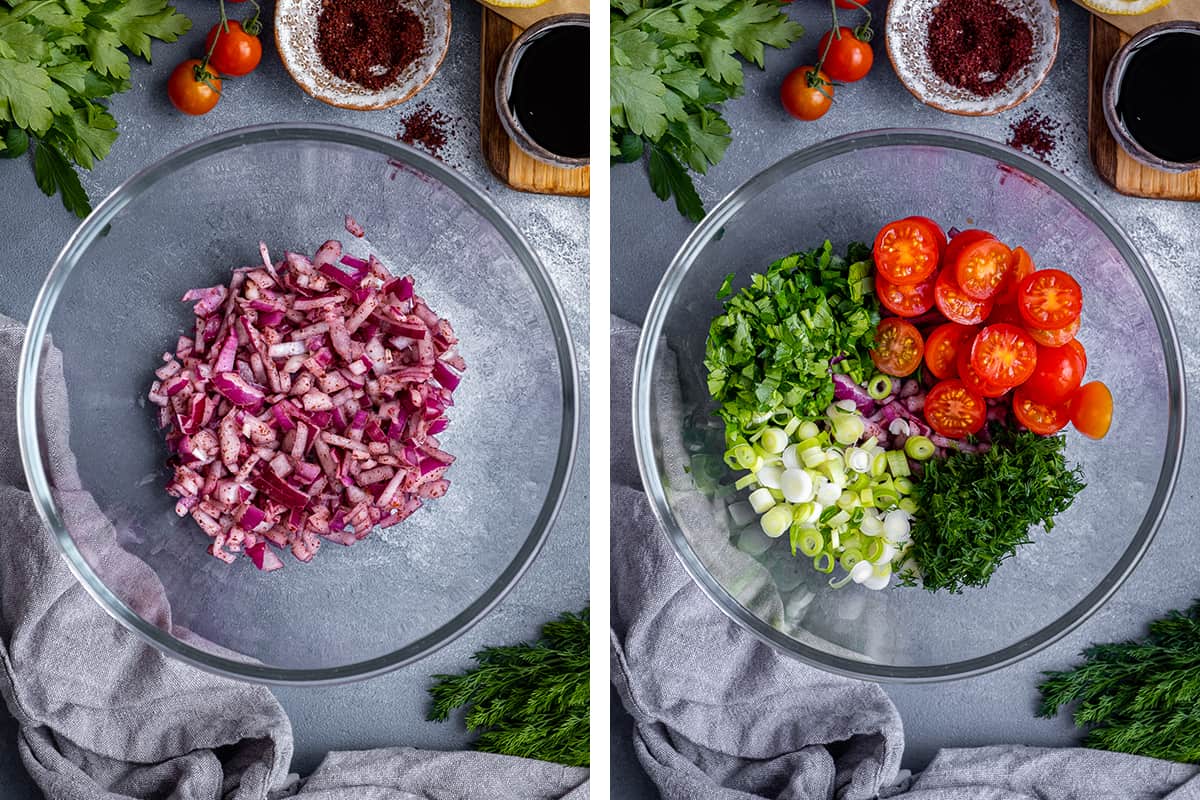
(645, 234)
(388, 710)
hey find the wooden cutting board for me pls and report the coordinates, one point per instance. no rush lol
(509, 163)
(1114, 165)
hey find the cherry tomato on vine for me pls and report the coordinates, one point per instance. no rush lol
(848, 58)
(953, 410)
(1091, 409)
(236, 51)
(806, 93)
(907, 251)
(192, 89)
(1043, 419)
(898, 347)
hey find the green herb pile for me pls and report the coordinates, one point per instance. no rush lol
(528, 700)
(1140, 697)
(771, 349)
(671, 65)
(60, 60)
(977, 508)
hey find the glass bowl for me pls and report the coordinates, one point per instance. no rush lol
(844, 190)
(111, 305)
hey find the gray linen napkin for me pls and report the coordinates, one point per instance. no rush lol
(721, 716)
(102, 715)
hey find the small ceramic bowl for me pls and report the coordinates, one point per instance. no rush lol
(296, 40)
(907, 34)
(503, 89)
(1112, 91)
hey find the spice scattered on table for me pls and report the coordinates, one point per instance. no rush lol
(368, 42)
(427, 129)
(1036, 134)
(978, 45)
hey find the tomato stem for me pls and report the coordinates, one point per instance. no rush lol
(253, 24)
(202, 73)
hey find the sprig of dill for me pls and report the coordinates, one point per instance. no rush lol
(976, 509)
(529, 699)
(1140, 697)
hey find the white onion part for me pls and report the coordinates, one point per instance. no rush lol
(307, 405)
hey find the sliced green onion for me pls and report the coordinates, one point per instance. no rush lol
(875, 548)
(879, 387)
(848, 429)
(871, 524)
(781, 416)
(812, 457)
(791, 426)
(898, 464)
(796, 485)
(836, 471)
(919, 448)
(879, 465)
(761, 500)
(850, 557)
(808, 430)
(745, 482)
(839, 519)
(791, 457)
(867, 497)
(903, 485)
(860, 482)
(811, 542)
(909, 505)
(744, 455)
(806, 513)
(773, 440)
(777, 520)
(885, 496)
(823, 563)
(778, 495)
(848, 501)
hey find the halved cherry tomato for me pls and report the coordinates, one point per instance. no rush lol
(956, 304)
(961, 240)
(907, 251)
(1058, 373)
(1091, 409)
(974, 381)
(1006, 312)
(898, 347)
(1049, 299)
(943, 346)
(1041, 418)
(906, 301)
(953, 410)
(1056, 337)
(1004, 355)
(935, 230)
(980, 268)
(1019, 268)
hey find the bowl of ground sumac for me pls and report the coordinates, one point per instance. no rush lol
(972, 57)
(362, 54)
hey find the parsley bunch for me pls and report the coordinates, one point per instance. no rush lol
(772, 347)
(60, 60)
(530, 699)
(671, 65)
(977, 508)
(1140, 697)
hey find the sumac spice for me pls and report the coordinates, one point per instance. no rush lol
(977, 45)
(368, 41)
(1034, 133)
(426, 128)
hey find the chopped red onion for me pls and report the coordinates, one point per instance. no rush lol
(302, 410)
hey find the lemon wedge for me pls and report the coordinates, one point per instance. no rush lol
(515, 3)
(1125, 8)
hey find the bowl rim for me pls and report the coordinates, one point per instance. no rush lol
(647, 351)
(29, 426)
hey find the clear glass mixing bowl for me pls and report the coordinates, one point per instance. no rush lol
(843, 190)
(111, 306)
